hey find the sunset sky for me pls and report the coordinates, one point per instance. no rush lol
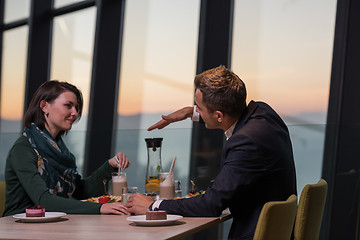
(282, 54)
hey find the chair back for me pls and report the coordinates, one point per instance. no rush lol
(310, 211)
(276, 220)
(2, 197)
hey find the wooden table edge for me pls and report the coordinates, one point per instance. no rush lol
(226, 215)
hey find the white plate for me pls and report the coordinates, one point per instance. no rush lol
(49, 217)
(141, 220)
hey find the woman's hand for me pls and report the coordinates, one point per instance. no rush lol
(119, 161)
(176, 116)
(139, 203)
(114, 208)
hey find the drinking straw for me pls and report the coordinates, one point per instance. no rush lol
(172, 166)
(117, 159)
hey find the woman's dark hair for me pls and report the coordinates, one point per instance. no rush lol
(222, 90)
(49, 91)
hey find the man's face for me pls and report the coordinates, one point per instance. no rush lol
(210, 118)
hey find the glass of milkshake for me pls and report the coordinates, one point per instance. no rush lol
(119, 181)
(167, 187)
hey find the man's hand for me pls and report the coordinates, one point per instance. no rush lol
(139, 203)
(176, 116)
(114, 208)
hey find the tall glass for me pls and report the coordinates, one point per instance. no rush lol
(167, 187)
(178, 190)
(119, 181)
(126, 192)
(152, 184)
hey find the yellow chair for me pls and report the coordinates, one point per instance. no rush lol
(310, 211)
(276, 220)
(2, 197)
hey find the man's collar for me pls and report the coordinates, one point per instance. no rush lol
(229, 132)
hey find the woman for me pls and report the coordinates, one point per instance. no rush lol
(40, 170)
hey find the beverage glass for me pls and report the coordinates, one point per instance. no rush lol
(178, 190)
(119, 181)
(167, 188)
(126, 192)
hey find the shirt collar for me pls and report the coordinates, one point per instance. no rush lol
(229, 132)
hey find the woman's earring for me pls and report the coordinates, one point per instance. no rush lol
(47, 114)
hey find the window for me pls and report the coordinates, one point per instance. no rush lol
(72, 52)
(12, 89)
(157, 72)
(284, 57)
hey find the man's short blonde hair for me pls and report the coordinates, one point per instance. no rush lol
(222, 91)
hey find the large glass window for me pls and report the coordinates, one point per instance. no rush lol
(72, 53)
(157, 72)
(16, 10)
(12, 89)
(283, 51)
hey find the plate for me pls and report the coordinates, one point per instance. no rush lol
(141, 220)
(49, 217)
(96, 199)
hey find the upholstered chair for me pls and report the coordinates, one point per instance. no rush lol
(310, 211)
(276, 220)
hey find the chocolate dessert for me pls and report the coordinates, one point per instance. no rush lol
(156, 215)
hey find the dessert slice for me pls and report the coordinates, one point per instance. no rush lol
(156, 215)
(36, 211)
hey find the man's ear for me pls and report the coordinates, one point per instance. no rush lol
(219, 116)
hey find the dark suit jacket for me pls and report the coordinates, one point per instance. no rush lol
(257, 167)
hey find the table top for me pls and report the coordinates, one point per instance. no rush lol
(74, 226)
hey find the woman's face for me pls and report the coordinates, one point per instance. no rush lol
(61, 113)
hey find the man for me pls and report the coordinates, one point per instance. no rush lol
(257, 159)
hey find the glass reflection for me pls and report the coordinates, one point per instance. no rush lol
(157, 72)
(13, 79)
(12, 90)
(153, 52)
(73, 42)
(284, 56)
(16, 10)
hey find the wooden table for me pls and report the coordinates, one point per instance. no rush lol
(101, 227)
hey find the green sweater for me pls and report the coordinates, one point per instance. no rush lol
(25, 187)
